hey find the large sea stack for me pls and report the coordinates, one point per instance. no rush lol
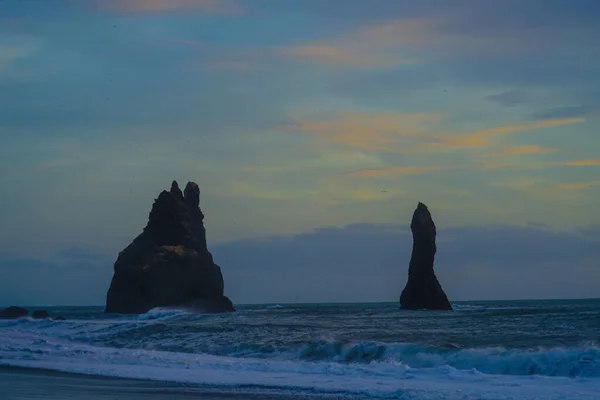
(168, 264)
(423, 291)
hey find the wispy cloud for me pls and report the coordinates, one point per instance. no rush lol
(389, 172)
(509, 98)
(395, 171)
(375, 131)
(337, 56)
(164, 6)
(484, 137)
(587, 110)
(398, 39)
(526, 150)
(14, 49)
(413, 133)
(592, 162)
(577, 185)
(377, 45)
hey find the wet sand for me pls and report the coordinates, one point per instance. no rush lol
(34, 384)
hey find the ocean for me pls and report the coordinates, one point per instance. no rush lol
(546, 349)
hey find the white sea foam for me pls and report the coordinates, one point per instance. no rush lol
(160, 313)
(375, 380)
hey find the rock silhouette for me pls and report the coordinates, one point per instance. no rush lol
(423, 290)
(13, 312)
(169, 264)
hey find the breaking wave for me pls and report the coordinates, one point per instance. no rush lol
(295, 349)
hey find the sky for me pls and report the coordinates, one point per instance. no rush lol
(313, 128)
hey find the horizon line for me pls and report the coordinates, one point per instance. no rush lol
(336, 302)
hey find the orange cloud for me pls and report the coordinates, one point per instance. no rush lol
(409, 133)
(594, 162)
(378, 45)
(526, 150)
(324, 54)
(577, 186)
(366, 131)
(395, 171)
(163, 6)
(484, 137)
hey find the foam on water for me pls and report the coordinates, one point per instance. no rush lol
(361, 351)
(381, 380)
(161, 314)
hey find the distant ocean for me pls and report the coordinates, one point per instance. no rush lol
(482, 350)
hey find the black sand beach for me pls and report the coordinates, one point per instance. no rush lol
(30, 384)
(35, 384)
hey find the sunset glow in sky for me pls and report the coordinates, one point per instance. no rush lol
(303, 122)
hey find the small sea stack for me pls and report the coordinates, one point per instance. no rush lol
(13, 312)
(168, 264)
(423, 290)
(40, 314)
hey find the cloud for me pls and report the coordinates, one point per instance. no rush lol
(159, 110)
(526, 150)
(593, 162)
(577, 185)
(505, 55)
(587, 111)
(37, 282)
(335, 56)
(392, 172)
(484, 137)
(376, 46)
(468, 16)
(76, 253)
(165, 6)
(493, 165)
(356, 262)
(436, 34)
(26, 263)
(372, 131)
(510, 98)
(590, 231)
(15, 48)
(409, 132)
(369, 262)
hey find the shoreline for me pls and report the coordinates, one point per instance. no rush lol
(18, 383)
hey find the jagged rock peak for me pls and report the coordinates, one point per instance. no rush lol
(175, 191)
(191, 194)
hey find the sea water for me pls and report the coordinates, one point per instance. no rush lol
(481, 350)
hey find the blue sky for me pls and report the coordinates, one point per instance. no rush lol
(302, 121)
